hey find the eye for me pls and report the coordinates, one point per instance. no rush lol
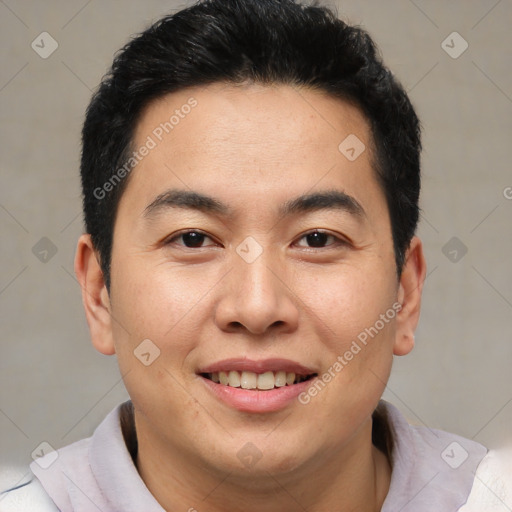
(318, 239)
(190, 239)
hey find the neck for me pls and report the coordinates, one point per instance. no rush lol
(351, 478)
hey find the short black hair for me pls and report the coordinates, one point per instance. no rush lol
(260, 41)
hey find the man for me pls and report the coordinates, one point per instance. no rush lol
(251, 175)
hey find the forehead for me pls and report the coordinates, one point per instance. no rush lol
(257, 139)
(214, 114)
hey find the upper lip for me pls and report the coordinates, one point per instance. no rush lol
(261, 366)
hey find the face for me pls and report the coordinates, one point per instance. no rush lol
(250, 249)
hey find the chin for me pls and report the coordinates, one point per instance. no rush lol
(256, 458)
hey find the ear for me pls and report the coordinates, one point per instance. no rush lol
(409, 296)
(94, 295)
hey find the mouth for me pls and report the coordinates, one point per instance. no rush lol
(257, 381)
(257, 386)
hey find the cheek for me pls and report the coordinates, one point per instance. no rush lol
(345, 301)
(169, 304)
(152, 299)
(153, 304)
(346, 306)
(156, 313)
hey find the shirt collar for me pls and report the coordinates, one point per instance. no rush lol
(431, 469)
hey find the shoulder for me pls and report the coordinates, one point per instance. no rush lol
(492, 487)
(54, 479)
(21, 491)
(431, 469)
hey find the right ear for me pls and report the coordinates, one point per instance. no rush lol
(95, 296)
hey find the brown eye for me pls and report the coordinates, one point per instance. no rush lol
(319, 239)
(190, 239)
(193, 239)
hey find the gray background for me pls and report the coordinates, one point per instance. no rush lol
(56, 388)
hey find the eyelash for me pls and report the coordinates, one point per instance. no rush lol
(337, 241)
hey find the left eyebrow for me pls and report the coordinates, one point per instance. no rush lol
(328, 200)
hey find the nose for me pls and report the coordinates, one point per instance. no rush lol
(256, 298)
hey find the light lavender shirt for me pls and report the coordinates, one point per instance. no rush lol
(431, 470)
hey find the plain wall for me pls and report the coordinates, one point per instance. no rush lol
(56, 388)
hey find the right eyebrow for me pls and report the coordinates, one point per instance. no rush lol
(185, 199)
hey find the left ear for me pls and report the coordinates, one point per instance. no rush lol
(409, 296)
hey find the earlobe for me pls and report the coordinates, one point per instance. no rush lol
(95, 296)
(409, 296)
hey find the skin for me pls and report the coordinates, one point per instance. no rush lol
(254, 147)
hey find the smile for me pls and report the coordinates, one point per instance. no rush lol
(251, 380)
(256, 386)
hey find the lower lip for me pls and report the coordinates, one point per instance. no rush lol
(256, 401)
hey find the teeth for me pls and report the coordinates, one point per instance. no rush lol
(280, 379)
(266, 380)
(251, 380)
(234, 379)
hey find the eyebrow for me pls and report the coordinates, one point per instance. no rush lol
(327, 200)
(324, 200)
(185, 199)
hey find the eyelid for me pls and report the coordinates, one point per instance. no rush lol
(339, 240)
(171, 239)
